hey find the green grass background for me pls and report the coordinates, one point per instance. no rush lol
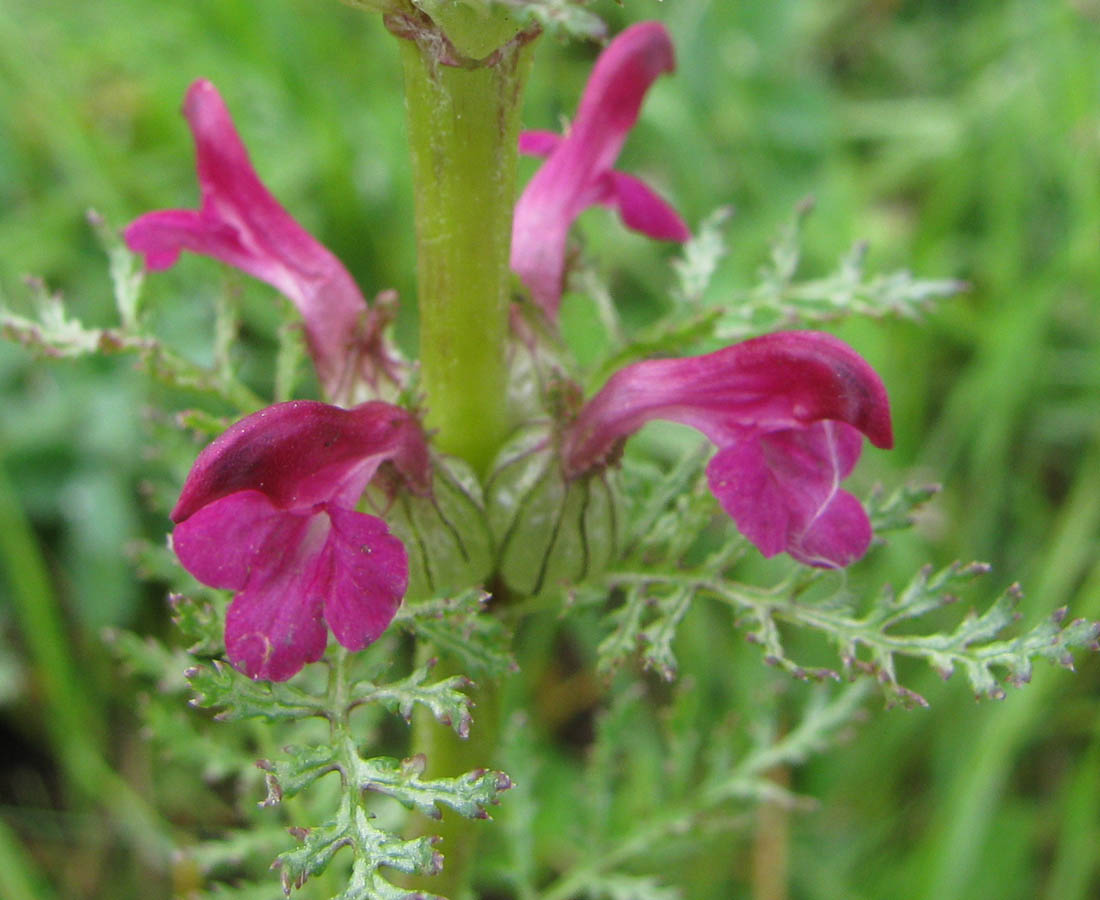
(960, 139)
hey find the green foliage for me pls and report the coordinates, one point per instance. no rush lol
(444, 699)
(562, 18)
(373, 849)
(52, 332)
(628, 817)
(460, 627)
(781, 301)
(958, 138)
(658, 582)
(296, 770)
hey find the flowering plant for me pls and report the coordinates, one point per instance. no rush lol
(449, 516)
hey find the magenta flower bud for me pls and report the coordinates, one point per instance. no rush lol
(268, 511)
(240, 223)
(785, 411)
(578, 173)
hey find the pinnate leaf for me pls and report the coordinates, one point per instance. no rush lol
(469, 794)
(444, 699)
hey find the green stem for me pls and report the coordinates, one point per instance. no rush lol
(463, 127)
(449, 755)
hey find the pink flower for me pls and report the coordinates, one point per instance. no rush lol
(578, 173)
(268, 511)
(785, 411)
(240, 223)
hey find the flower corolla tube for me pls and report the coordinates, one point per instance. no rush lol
(787, 411)
(578, 170)
(269, 511)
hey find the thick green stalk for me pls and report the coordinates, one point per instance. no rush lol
(448, 755)
(463, 126)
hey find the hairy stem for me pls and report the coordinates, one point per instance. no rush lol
(449, 755)
(463, 127)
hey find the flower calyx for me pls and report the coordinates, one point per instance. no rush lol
(458, 33)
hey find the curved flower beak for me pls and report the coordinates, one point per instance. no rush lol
(578, 173)
(785, 410)
(268, 511)
(240, 223)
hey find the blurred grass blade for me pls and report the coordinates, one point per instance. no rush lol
(956, 841)
(19, 877)
(67, 710)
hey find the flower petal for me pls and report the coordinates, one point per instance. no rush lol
(641, 208)
(304, 452)
(222, 543)
(275, 626)
(539, 143)
(770, 383)
(367, 578)
(242, 224)
(271, 557)
(562, 188)
(783, 491)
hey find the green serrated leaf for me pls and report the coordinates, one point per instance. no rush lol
(444, 699)
(127, 272)
(199, 623)
(217, 685)
(235, 846)
(470, 794)
(147, 657)
(461, 628)
(700, 257)
(562, 18)
(979, 629)
(318, 846)
(366, 883)
(894, 511)
(655, 492)
(53, 333)
(622, 640)
(926, 591)
(299, 768)
(658, 635)
(373, 849)
(781, 301)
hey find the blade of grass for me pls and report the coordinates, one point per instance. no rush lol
(959, 833)
(1074, 870)
(20, 878)
(70, 717)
